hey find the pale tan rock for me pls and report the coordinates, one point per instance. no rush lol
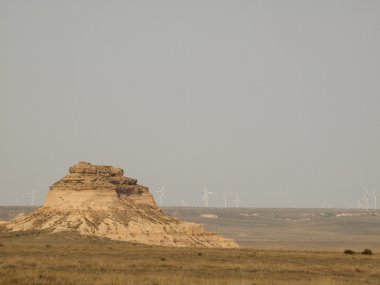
(100, 201)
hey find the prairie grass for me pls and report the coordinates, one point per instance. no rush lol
(71, 259)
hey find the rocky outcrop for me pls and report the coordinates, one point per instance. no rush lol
(101, 201)
(99, 178)
(85, 176)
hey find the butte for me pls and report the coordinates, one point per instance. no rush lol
(99, 200)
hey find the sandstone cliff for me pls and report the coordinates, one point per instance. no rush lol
(101, 201)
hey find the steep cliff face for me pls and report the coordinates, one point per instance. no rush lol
(101, 201)
(85, 176)
(96, 186)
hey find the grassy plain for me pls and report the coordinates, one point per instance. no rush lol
(37, 258)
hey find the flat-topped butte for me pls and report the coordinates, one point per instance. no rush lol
(100, 201)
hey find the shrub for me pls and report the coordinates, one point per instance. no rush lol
(349, 251)
(367, 251)
(48, 246)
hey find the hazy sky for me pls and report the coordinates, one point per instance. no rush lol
(277, 100)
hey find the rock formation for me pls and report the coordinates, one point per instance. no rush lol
(101, 201)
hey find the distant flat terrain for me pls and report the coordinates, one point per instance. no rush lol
(300, 229)
(9, 212)
(289, 229)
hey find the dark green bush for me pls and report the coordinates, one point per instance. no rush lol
(367, 251)
(349, 251)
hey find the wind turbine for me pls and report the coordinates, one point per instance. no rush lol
(225, 200)
(373, 195)
(374, 198)
(33, 197)
(161, 196)
(205, 195)
(359, 204)
(237, 201)
(366, 196)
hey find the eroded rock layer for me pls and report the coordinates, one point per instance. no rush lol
(101, 201)
(85, 176)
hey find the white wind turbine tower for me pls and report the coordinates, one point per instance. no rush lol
(33, 197)
(366, 196)
(161, 196)
(237, 201)
(205, 195)
(374, 198)
(373, 195)
(359, 204)
(225, 200)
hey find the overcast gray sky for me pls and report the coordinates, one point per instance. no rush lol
(277, 100)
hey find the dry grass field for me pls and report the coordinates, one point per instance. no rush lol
(33, 258)
(282, 247)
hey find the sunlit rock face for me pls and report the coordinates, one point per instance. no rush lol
(96, 186)
(99, 200)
